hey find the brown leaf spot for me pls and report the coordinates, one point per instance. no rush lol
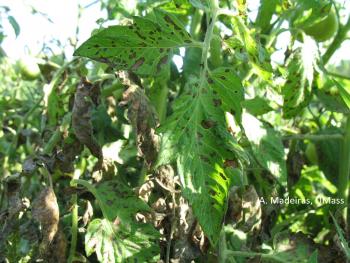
(138, 63)
(207, 124)
(217, 102)
(230, 163)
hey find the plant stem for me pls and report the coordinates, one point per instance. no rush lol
(207, 40)
(337, 75)
(74, 230)
(337, 41)
(344, 170)
(314, 137)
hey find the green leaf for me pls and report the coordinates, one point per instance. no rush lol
(296, 91)
(205, 150)
(14, 25)
(180, 7)
(257, 106)
(119, 237)
(267, 146)
(230, 90)
(143, 47)
(201, 4)
(266, 10)
(293, 248)
(114, 242)
(328, 153)
(257, 55)
(344, 93)
(344, 244)
(313, 257)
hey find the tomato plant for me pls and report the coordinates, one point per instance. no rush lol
(176, 135)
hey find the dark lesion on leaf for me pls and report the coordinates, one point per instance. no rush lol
(84, 99)
(230, 163)
(170, 21)
(210, 80)
(204, 158)
(162, 62)
(138, 64)
(207, 124)
(217, 102)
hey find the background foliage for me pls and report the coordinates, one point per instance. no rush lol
(174, 136)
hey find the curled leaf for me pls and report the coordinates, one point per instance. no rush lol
(45, 210)
(81, 117)
(143, 117)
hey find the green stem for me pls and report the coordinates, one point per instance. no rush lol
(74, 230)
(314, 137)
(56, 136)
(196, 24)
(337, 41)
(337, 75)
(207, 40)
(344, 170)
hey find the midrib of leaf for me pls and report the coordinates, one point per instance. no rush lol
(204, 181)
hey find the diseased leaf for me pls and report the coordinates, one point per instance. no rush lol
(119, 237)
(142, 47)
(257, 55)
(296, 91)
(114, 242)
(81, 118)
(142, 117)
(267, 146)
(228, 86)
(45, 210)
(196, 137)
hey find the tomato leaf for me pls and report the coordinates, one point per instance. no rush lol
(257, 55)
(142, 47)
(229, 88)
(114, 242)
(119, 237)
(267, 146)
(14, 25)
(266, 10)
(296, 91)
(257, 106)
(195, 135)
